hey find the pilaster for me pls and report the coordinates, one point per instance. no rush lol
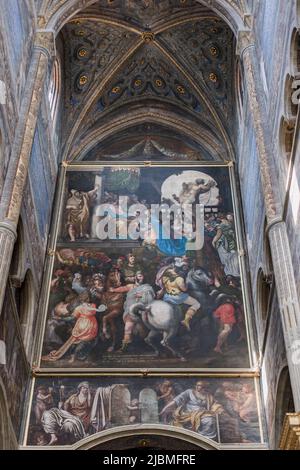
(13, 190)
(276, 229)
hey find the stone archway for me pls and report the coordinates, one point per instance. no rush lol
(54, 14)
(284, 402)
(160, 437)
(147, 442)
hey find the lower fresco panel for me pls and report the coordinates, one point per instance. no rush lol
(67, 410)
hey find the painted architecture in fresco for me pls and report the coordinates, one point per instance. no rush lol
(65, 411)
(133, 286)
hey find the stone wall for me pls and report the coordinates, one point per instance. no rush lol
(18, 23)
(273, 25)
(274, 22)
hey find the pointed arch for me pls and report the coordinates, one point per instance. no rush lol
(284, 402)
(117, 66)
(171, 120)
(55, 13)
(104, 437)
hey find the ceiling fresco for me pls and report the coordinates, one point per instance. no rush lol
(149, 74)
(170, 56)
(205, 50)
(91, 52)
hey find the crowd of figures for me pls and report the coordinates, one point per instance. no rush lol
(143, 302)
(153, 299)
(66, 411)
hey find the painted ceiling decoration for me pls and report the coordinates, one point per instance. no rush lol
(174, 143)
(150, 149)
(205, 50)
(91, 53)
(149, 74)
(174, 55)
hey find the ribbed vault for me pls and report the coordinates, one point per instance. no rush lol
(128, 63)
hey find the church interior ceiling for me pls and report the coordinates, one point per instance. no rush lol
(165, 57)
(146, 80)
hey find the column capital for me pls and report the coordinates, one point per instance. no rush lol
(8, 226)
(245, 40)
(45, 42)
(290, 437)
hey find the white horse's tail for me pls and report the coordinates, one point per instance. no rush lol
(138, 308)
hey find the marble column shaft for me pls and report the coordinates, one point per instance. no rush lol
(277, 230)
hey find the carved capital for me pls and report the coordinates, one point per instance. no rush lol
(245, 39)
(290, 437)
(10, 228)
(41, 21)
(45, 42)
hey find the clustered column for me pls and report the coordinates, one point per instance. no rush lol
(43, 53)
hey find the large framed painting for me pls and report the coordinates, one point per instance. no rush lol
(67, 410)
(147, 271)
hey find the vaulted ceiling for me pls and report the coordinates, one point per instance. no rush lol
(160, 66)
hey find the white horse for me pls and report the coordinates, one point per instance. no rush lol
(160, 318)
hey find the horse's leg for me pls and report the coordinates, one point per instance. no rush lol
(167, 336)
(110, 318)
(149, 340)
(104, 326)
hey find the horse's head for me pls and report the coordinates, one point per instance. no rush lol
(113, 279)
(202, 277)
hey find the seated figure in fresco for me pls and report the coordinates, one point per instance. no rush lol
(71, 420)
(58, 422)
(196, 409)
(78, 213)
(80, 404)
